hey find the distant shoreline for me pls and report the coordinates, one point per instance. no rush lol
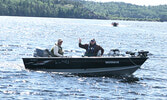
(85, 18)
(81, 9)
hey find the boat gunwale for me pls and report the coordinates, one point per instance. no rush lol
(112, 57)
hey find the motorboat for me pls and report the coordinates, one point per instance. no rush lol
(111, 64)
(114, 24)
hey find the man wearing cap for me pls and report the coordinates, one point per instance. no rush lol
(92, 48)
(57, 50)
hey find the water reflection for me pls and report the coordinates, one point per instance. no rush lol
(129, 79)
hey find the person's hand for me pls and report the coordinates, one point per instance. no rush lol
(79, 40)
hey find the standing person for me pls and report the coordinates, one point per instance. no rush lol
(92, 48)
(57, 50)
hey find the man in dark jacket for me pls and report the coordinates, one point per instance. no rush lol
(92, 48)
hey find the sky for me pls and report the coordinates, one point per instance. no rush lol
(139, 2)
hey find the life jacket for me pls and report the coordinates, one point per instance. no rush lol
(60, 50)
(91, 50)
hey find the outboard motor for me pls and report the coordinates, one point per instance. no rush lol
(41, 53)
(143, 53)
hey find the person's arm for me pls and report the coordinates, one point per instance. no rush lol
(56, 52)
(102, 50)
(81, 45)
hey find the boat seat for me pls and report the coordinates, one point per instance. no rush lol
(131, 53)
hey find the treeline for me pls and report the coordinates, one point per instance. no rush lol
(82, 9)
(46, 8)
(126, 11)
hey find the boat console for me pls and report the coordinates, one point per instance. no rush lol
(114, 52)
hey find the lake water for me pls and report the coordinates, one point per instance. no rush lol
(19, 36)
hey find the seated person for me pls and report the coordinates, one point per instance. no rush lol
(57, 50)
(92, 48)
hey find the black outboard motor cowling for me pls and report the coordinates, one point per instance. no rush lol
(41, 52)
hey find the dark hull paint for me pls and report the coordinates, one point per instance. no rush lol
(102, 66)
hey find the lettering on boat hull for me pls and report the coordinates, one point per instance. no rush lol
(111, 62)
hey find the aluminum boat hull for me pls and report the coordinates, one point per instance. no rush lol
(97, 66)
